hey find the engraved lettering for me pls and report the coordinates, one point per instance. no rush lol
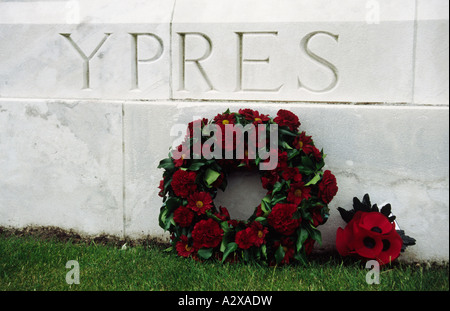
(86, 59)
(304, 46)
(242, 60)
(196, 61)
(135, 60)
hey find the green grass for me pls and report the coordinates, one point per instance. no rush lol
(28, 263)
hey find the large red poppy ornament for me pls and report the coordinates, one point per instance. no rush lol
(370, 233)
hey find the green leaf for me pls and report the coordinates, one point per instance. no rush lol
(302, 234)
(211, 176)
(166, 164)
(264, 250)
(196, 165)
(315, 234)
(277, 187)
(265, 207)
(286, 132)
(205, 253)
(162, 217)
(285, 145)
(307, 162)
(314, 180)
(231, 247)
(279, 254)
(261, 220)
(172, 204)
(300, 256)
(278, 198)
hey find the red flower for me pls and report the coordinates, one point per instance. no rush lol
(259, 211)
(225, 118)
(317, 154)
(287, 118)
(370, 235)
(207, 233)
(327, 187)
(223, 213)
(269, 179)
(251, 236)
(183, 248)
(288, 248)
(308, 245)
(244, 239)
(292, 173)
(179, 155)
(259, 233)
(200, 202)
(281, 218)
(298, 192)
(282, 160)
(317, 218)
(198, 124)
(161, 188)
(183, 183)
(254, 116)
(183, 216)
(303, 142)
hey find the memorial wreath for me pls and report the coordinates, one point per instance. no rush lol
(284, 227)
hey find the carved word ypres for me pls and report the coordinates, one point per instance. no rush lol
(197, 62)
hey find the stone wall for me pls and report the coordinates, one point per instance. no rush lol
(89, 91)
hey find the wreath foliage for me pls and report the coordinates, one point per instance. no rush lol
(282, 229)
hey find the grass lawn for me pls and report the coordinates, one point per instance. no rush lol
(30, 263)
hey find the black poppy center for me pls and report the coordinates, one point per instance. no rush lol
(376, 229)
(369, 242)
(386, 245)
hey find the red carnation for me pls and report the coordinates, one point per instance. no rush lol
(298, 192)
(304, 143)
(200, 202)
(327, 187)
(281, 218)
(287, 118)
(183, 216)
(244, 239)
(183, 248)
(183, 183)
(207, 233)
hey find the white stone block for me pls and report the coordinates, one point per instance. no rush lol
(432, 53)
(61, 165)
(397, 154)
(85, 49)
(346, 51)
